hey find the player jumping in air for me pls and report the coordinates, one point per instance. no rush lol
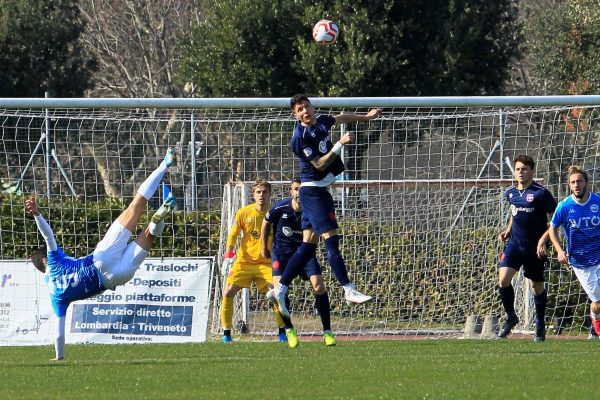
(113, 262)
(320, 163)
(285, 218)
(525, 236)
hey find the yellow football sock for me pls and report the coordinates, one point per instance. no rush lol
(227, 313)
(278, 317)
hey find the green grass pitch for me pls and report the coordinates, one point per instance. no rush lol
(418, 369)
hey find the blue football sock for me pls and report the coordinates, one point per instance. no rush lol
(322, 306)
(540, 301)
(507, 296)
(336, 261)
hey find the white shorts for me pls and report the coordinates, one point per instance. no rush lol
(588, 277)
(116, 258)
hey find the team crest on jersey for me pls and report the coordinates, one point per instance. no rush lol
(529, 197)
(307, 152)
(594, 208)
(323, 146)
(287, 231)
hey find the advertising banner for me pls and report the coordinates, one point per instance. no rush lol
(167, 301)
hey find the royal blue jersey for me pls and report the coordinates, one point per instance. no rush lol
(581, 226)
(311, 142)
(71, 279)
(529, 209)
(286, 225)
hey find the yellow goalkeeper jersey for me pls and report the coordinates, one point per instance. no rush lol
(248, 220)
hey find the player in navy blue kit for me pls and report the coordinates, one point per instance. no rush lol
(320, 163)
(285, 218)
(114, 260)
(526, 236)
(579, 217)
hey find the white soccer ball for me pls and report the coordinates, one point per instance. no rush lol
(325, 32)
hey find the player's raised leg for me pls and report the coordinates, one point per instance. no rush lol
(130, 217)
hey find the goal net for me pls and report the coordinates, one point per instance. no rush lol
(420, 205)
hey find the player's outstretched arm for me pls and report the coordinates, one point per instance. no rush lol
(348, 118)
(43, 226)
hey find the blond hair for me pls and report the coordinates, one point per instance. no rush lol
(261, 182)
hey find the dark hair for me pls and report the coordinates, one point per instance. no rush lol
(526, 160)
(574, 169)
(37, 256)
(295, 180)
(297, 99)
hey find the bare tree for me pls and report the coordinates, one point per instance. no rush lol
(136, 45)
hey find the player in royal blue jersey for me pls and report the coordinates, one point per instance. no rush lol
(112, 263)
(320, 163)
(579, 217)
(285, 218)
(526, 236)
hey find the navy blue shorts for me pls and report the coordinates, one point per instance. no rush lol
(311, 268)
(514, 256)
(318, 210)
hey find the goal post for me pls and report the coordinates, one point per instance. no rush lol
(420, 205)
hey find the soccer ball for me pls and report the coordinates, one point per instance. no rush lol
(325, 32)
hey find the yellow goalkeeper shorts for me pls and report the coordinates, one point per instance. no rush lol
(243, 275)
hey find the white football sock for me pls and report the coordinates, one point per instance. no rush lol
(156, 229)
(149, 186)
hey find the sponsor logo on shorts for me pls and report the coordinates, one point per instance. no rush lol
(255, 235)
(276, 264)
(502, 256)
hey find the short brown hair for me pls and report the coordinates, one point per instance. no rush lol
(574, 169)
(297, 99)
(37, 258)
(525, 160)
(261, 182)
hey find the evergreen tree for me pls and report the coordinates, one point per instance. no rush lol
(40, 51)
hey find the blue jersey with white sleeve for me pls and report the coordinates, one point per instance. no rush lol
(287, 226)
(309, 142)
(529, 209)
(70, 279)
(581, 227)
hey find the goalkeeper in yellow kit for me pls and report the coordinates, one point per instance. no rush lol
(249, 266)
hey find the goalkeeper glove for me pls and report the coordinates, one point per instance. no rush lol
(228, 259)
